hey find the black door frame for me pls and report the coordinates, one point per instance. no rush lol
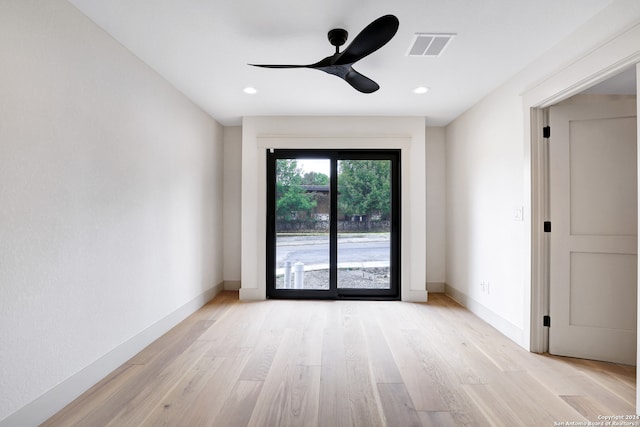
(393, 293)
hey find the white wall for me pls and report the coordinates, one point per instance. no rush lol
(487, 150)
(436, 217)
(436, 209)
(484, 182)
(407, 134)
(110, 206)
(232, 205)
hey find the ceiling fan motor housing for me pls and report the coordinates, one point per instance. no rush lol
(338, 37)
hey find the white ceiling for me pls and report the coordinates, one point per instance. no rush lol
(203, 47)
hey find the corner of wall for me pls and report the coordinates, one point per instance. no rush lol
(232, 285)
(436, 287)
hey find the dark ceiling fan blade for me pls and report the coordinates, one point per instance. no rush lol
(328, 61)
(279, 66)
(372, 38)
(361, 83)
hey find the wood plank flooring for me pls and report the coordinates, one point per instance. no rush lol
(346, 363)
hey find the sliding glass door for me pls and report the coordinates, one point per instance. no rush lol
(333, 224)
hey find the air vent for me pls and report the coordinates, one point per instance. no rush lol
(432, 45)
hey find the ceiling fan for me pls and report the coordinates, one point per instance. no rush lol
(373, 37)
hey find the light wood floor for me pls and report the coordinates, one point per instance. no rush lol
(346, 363)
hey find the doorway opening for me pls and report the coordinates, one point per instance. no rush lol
(587, 201)
(333, 224)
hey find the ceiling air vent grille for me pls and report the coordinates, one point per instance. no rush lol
(429, 44)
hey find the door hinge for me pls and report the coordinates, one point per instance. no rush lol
(547, 226)
(546, 321)
(546, 132)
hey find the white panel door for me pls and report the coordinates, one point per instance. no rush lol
(593, 208)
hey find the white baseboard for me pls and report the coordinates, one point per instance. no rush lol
(254, 294)
(436, 287)
(232, 285)
(58, 397)
(502, 325)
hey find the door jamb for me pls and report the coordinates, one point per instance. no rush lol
(539, 240)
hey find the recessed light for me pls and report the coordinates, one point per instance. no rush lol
(420, 90)
(250, 90)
